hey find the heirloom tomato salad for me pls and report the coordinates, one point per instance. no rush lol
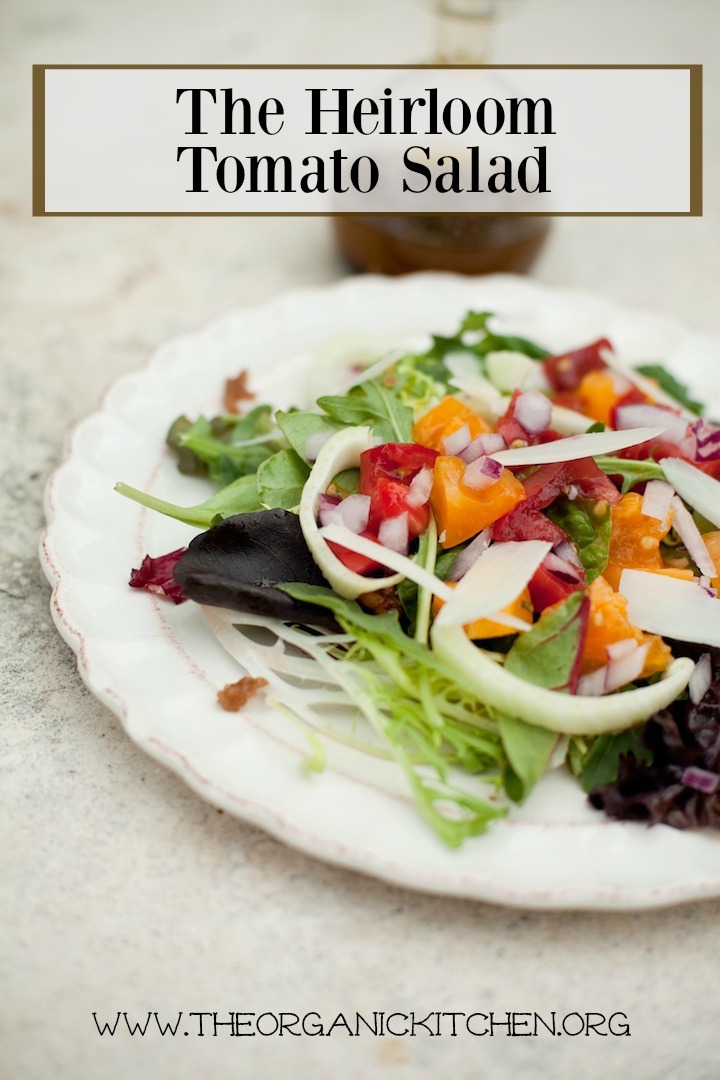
(505, 561)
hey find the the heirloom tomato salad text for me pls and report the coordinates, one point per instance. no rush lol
(506, 560)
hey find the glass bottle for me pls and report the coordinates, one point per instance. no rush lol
(464, 243)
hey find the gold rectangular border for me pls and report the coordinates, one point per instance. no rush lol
(38, 134)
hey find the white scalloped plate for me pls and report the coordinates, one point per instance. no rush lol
(158, 666)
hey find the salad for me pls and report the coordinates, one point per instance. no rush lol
(503, 560)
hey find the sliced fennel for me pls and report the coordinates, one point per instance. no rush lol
(341, 451)
(405, 567)
(564, 713)
(510, 371)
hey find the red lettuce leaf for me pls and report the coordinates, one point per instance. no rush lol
(156, 576)
(683, 737)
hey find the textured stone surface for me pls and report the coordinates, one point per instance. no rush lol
(120, 889)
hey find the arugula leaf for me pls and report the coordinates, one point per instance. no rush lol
(225, 447)
(240, 497)
(475, 320)
(372, 402)
(671, 386)
(590, 532)
(511, 343)
(490, 342)
(281, 479)
(528, 749)
(632, 472)
(547, 655)
(296, 426)
(600, 765)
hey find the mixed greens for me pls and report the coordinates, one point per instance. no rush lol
(503, 559)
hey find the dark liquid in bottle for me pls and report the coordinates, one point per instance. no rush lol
(464, 243)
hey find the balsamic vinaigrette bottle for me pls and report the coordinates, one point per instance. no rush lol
(464, 243)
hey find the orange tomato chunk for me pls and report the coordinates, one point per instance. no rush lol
(608, 623)
(447, 417)
(521, 608)
(635, 539)
(462, 512)
(712, 543)
(598, 393)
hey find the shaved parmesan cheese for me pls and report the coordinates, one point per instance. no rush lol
(577, 446)
(671, 607)
(687, 530)
(494, 580)
(405, 567)
(657, 500)
(695, 487)
(340, 452)
(552, 709)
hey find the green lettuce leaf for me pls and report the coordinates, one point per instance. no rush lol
(281, 479)
(600, 765)
(528, 750)
(296, 426)
(547, 655)
(671, 386)
(632, 472)
(223, 448)
(590, 532)
(371, 402)
(240, 497)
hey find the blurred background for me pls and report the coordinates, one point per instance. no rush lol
(83, 300)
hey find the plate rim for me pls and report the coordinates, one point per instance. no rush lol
(459, 885)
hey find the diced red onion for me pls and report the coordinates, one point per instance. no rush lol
(315, 442)
(613, 675)
(657, 500)
(456, 442)
(618, 649)
(352, 512)
(700, 780)
(630, 416)
(557, 565)
(468, 556)
(328, 513)
(706, 584)
(490, 442)
(592, 684)
(393, 533)
(420, 487)
(355, 511)
(700, 679)
(707, 441)
(566, 550)
(625, 670)
(621, 385)
(532, 411)
(689, 533)
(482, 473)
